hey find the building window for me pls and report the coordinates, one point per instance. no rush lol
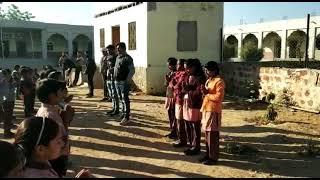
(152, 6)
(187, 36)
(102, 43)
(132, 35)
(50, 46)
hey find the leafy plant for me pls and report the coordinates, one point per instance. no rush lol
(285, 98)
(14, 13)
(270, 97)
(250, 52)
(271, 114)
(237, 148)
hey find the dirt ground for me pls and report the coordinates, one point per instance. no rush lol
(140, 149)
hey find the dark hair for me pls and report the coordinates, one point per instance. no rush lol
(46, 87)
(55, 75)
(29, 132)
(10, 158)
(172, 61)
(110, 47)
(43, 75)
(48, 71)
(212, 66)
(181, 61)
(189, 62)
(16, 66)
(122, 45)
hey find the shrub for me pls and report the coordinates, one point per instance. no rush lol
(250, 52)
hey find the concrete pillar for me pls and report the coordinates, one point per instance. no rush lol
(70, 47)
(312, 41)
(239, 37)
(44, 37)
(260, 38)
(283, 35)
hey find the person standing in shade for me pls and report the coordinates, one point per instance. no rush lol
(213, 90)
(79, 63)
(103, 71)
(111, 60)
(61, 62)
(90, 70)
(123, 72)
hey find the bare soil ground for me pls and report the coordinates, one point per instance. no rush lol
(140, 149)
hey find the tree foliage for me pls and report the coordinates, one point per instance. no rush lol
(14, 13)
(250, 52)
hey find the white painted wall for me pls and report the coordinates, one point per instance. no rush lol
(162, 36)
(122, 18)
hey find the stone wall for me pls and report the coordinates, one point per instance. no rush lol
(303, 84)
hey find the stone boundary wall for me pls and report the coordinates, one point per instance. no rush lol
(251, 79)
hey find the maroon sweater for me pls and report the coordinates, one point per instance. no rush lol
(177, 82)
(192, 87)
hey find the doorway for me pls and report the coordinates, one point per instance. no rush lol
(21, 49)
(115, 35)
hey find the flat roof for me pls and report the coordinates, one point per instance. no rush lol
(119, 8)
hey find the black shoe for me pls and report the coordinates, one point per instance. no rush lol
(114, 113)
(203, 158)
(178, 144)
(8, 135)
(124, 121)
(210, 162)
(122, 117)
(89, 96)
(110, 112)
(192, 152)
(173, 136)
(104, 99)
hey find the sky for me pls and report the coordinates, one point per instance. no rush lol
(81, 13)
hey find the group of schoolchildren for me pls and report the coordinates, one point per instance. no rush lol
(194, 101)
(41, 146)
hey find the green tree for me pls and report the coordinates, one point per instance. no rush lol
(250, 52)
(14, 13)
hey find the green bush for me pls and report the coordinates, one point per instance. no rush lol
(250, 52)
(229, 51)
(271, 114)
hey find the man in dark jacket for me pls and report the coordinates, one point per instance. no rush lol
(111, 60)
(90, 70)
(123, 72)
(103, 71)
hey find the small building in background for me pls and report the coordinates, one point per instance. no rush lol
(34, 43)
(281, 40)
(155, 31)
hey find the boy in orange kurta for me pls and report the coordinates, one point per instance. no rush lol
(211, 109)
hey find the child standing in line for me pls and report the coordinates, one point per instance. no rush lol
(50, 93)
(41, 140)
(192, 104)
(178, 96)
(27, 89)
(6, 103)
(170, 103)
(214, 90)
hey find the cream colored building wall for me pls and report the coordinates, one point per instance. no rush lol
(162, 36)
